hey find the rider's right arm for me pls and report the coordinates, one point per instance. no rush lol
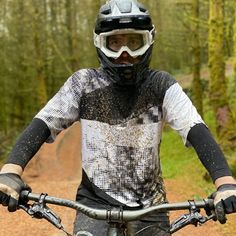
(26, 146)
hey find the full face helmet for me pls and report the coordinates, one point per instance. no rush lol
(129, 18)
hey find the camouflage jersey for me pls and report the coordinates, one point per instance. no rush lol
(121, 129)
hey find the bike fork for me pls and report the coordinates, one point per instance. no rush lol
(117, 229)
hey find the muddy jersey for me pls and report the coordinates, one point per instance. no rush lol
(121, 129)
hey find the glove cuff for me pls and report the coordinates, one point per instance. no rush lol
(226, 187)
(12, 175)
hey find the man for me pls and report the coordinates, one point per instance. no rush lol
(122, 108)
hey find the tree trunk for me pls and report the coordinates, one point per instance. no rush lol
(18, 102)
(72, 39)
(196, 83)
(42, 91)
(234, 62)
(225, 125)
(3, 71)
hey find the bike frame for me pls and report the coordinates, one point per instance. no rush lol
(117, 217)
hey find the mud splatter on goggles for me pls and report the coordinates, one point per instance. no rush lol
(115, 42)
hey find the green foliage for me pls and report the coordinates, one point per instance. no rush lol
(231, 93)
(42, 44)
(226, 127)
(179, 162)
(6, 142)
(174, 155)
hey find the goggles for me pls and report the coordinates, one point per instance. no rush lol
(115, 42)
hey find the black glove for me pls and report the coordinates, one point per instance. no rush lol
(10, 187)
(225, 201)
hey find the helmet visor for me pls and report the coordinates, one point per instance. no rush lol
(113, 43)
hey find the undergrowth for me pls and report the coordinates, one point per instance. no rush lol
(180, 162)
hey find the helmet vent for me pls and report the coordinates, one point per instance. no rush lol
(142, 9)
(125, 20)
(124, 7)
(105, 10)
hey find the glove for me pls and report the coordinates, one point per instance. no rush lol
(225, 201)
(10, 187)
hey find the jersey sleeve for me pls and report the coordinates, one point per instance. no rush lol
(63, 109)
(179, 112)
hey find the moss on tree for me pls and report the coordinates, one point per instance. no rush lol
(226, 129)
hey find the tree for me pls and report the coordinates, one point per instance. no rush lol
(196, 51)
(3, 70)
(229, 26)
(87, 11)
(39, 15)
(21, 62)
(225, 125)
(234, 63)
(193, 24)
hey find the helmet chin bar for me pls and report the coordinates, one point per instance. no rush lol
(126, 74)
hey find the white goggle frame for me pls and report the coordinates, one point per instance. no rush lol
(100, 42)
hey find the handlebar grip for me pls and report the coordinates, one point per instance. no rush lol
(210, 202)
(24, 195)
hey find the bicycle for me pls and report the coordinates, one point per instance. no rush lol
(117, 216)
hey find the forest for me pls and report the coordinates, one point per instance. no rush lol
(44, 41)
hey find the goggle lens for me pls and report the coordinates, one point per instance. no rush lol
(117, 41)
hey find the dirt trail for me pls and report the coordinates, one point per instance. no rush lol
(56, 171)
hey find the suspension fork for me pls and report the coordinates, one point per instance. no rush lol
(117, 229)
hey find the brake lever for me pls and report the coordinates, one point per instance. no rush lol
(40, 210)
(193, 217)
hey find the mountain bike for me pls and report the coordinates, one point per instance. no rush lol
(36, 206)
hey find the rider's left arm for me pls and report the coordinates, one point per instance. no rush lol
(213, 159)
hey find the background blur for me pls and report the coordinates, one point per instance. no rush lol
(42, 42)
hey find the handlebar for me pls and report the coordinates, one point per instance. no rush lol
(115, 215)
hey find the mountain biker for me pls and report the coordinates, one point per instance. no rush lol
(122, 107)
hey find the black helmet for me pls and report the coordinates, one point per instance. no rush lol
(122, 15)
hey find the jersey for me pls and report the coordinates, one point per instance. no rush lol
(122, 129)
